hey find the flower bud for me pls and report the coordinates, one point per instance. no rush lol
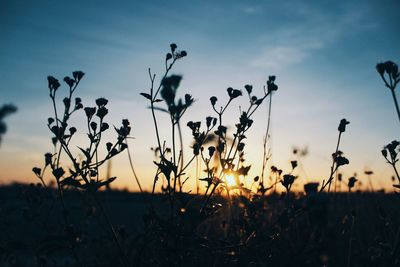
(342, 125)
(384, 153)
(101, 102)
(380, 68)
(213, 100)
(78, 75)
(173, 47)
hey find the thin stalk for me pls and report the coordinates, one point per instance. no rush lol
(395, 102)
(132, 168)
(174, 153)
(395, 170)
(265, 155)
(181, 145)
(333, 167)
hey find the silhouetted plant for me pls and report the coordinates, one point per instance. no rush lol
(84, 174)
(352, 182)
(231, 154)
(337, 158)
(390, 75)
(230, 224)
(390, 153)
(271, 87)
(171, 169)
(5, 111)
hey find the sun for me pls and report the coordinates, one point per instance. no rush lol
(230, 180)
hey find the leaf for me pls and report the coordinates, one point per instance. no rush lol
(85, 152)
(71, 182)
(160, 109)
(158, 100)
(109, 181)
(396, 186)
(146, 96)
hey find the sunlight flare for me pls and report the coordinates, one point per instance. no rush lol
(230, 180)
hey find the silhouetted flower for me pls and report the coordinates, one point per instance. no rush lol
(90, 112)
(104, 126)
(248, 88)
(181, 54)
(392, 149)
(78, 103)
(221, 131)
(37, 171)
(384, 153)
(287, 181)
(213, 100)
(101, 102)
(380, 68)
(109, 146)
(78, 75)
(173, 47)
(211, 150)
(50, 121)
(293, 163)
(188, 99)
(342, 125)
(72, 130)
(58, 173)
(169, 86)
(390, 67)
(102, 112)
(93, 125)
(69, 81)
(196, 149)
(234, 93)
(271, 86)
(352, 181)
(125, 123)
(340, 161)
(54, 84)
(168, 56)
(67, 102)
(48, 158)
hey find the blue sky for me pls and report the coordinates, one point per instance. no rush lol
(323, 53)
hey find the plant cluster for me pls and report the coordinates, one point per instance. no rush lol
(5, 111)
(231, 222)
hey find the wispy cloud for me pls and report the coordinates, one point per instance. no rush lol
(273, 57)
(293, 43)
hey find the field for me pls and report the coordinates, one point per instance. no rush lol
(358, 229)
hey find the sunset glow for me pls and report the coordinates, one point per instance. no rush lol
(322, 76)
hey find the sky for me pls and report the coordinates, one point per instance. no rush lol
(323, 54)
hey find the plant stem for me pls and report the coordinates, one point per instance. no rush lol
(265, 153)
(132, 168)
(333, 168)
(395, 102)
(395, 170)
